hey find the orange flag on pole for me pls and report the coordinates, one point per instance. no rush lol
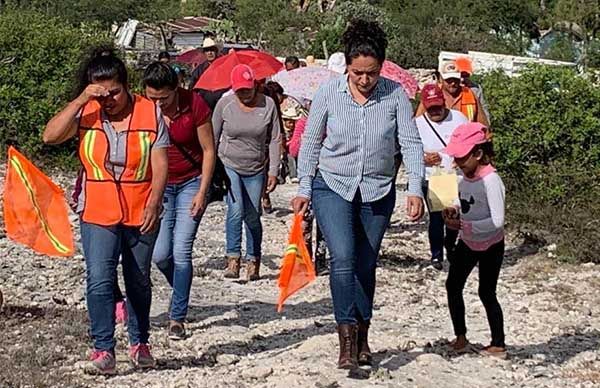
(297, 269)
(35, 209)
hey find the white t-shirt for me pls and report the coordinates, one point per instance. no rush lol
(431, 142)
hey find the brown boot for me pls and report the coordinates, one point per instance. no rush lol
(233, 268)
(347, 334)
(364, 352)
(253, 270)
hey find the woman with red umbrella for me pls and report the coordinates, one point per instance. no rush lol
(247, 133)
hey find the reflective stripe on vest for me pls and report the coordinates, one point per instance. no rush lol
(89, 141)
(56, 243)
(468, 104)
(110, 199)
(145, 143)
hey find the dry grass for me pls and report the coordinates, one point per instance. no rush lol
(35, 345)
(538, 269)
(565, 295)
(594, 283)
(589, 372)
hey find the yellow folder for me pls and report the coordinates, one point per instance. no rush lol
(443, 190)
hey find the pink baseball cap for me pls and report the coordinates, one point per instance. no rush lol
(432, 95)
(464, 138)
(242, 77)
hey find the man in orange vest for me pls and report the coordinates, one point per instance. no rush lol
(456, 96)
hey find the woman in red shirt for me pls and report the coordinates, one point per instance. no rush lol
(191, 164)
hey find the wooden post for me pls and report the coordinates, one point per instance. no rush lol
(163, 37)
(324, 44)
(260, 36)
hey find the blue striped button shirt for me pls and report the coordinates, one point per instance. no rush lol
(353, 145)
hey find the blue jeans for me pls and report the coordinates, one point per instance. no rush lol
(440, 237)
(243, 205)
(173, 251)
(353, 232)
(102, 246)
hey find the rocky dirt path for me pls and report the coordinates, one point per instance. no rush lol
(237, 339)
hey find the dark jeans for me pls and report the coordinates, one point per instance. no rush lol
(102, 247)
(440, 237)
(461, 266)
(353, 232)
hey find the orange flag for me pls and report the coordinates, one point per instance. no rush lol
(297, 268)
(35, 210)
(464, 64)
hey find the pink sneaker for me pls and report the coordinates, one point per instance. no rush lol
(121, 312)
(102, 362)
(140, 356)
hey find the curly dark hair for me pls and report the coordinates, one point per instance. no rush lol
(365, 38)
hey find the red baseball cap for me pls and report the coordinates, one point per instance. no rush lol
(464, 138)
(242, 77)
(432, 95)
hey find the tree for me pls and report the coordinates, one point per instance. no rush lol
(104, 13)
(39, 58)
(275, 25)
(581, 20)
(218, 9)
(334, 22)
(562, 49)
(224, 30)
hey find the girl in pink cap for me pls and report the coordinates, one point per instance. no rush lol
(480, 220)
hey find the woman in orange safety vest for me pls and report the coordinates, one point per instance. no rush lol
(123, 143)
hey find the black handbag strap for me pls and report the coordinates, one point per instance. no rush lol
(186, 155)
(434, 131)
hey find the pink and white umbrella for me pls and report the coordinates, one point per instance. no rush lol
(397, 74)
(192, 57)
(304, 81)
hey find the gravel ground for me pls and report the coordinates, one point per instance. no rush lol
(236, 338)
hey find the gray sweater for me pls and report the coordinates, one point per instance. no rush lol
(242, 138)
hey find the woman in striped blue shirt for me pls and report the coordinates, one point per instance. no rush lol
(346, 168)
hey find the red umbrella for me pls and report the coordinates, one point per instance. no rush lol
(394, 72)
(217, 76)
(192, 57)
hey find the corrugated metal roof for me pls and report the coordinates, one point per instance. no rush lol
(190, 24)
(125, 34)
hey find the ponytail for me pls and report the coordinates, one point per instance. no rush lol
(103, 64)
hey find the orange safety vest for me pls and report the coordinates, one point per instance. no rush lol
(468, 104)
(109, 199)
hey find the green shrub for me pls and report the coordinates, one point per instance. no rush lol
(547, 140)
(39, 57)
